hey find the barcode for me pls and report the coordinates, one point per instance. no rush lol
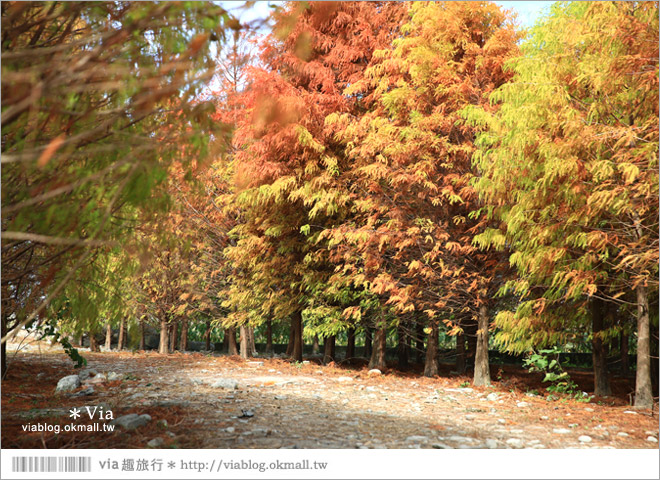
(51, 464)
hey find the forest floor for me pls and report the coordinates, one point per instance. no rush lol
(214, 401)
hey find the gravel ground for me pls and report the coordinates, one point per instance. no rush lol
(225, 402)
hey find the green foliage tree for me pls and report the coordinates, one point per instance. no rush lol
(96, 103)
(569, 166)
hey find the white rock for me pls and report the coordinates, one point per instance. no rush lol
(229, 383)
(584, 438)
(230, 429)
(112, 376)
(630, 412)
(651, 438)
(515, 443)
(68, 383)
(522, 404)
(491, 397)
(374, 371)
(561, 430)
(622, 434)
(470, 417)
(588, 409)
(100, 378)
(544, 417)
(370, 389)
(501, 421)
(131, 421)
(255, 364)
(490, 443)
(345, 379)
(417, 439)
(155, 442)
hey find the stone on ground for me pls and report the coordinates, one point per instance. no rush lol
(68, 383)
(132, 421)
(515, 443)
(229, 383)
(155, 442)
(84, 392)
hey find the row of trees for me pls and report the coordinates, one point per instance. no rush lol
(403, 167)
(370, 168)
(98, 100)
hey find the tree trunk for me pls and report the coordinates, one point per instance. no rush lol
(93, 344)
(643, 389)
(367, 342)
(80, 340)
(625, 364)
(329, 349)
(315, 345)
(481, 366)
(252, 347)
(143, 340)
(183, 341)
(269, 336)
(292, 340)
(174, 327)
(108, 336)
(207, 336)
(655, 353)
(431, 363)
(297, 327)
(599, 358)
(163, 345)
(350, 343)
(230, 335)
(379, 349)
(121, 341)
(471, 337)
(460, 354)
(245, 342)
(402, 349)
(419, 341)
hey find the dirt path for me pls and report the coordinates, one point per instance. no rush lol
(276, 404)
